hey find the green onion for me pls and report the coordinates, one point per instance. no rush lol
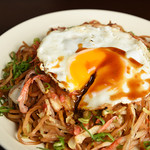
(19, 68)
(119, 146)
(13, 56)
(87, 114)
(59, 145)
(28, 128)
(92, 144)
(7, 67)
(100, 137)
(146, 145)
(132, 33)
(43, 148)
(4, 109)
(101, 119)
(2, 100)
(48, 86)
(17, 74)
(94, 112)
(23, 66)
(106, 112)
(84, 120)
(36, 40)
(36, 69)
(29, 59)
(5, 87)
(86, 130)
(5, 75)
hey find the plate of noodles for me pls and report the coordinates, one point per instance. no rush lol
(76, 79)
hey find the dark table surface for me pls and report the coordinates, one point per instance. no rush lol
(13, 12)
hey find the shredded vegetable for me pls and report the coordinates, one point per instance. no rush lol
(4, 109)
(146, 145)
(43, 148)
(59, 145)
(84, 120)
(101, 137)
(101, 119)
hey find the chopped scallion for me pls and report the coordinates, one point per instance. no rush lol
(36, 69)
(86, 130)
(19, 68)
(146, 145)
(99, 136)
(119, 146)
(13, 56)
(132, 33)
(29, 59)
(87, 114)
(2, 100)
(36, 40)
(47, 86)
(5, 87)
(84, 120)
(106, 112)
(4, 109)
(43, 148)
(101, 119)
(5, 75)
(59, 145)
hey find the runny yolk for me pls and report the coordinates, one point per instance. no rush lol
(107, 63)
(110, 67)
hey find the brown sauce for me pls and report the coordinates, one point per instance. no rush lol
(135, 63)
(80, 48)
(135, 89)
(111, 74)
(64, 83)
(60, 58)
(56, 66)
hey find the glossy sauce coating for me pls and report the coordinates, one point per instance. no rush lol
(110, 74)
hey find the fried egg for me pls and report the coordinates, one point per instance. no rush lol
(118, 61)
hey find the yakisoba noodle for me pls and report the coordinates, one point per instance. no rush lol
(51, 114)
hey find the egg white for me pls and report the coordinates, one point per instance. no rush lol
(65, 43)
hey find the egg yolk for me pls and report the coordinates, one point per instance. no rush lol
(107, 63)
(109, 66)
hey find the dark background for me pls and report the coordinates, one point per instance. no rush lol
(13, 12)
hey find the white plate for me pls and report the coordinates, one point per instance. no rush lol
(37, 27)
